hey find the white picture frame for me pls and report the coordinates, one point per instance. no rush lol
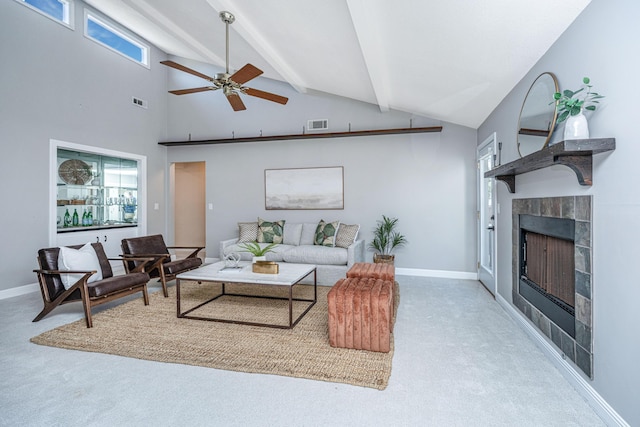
(304, 188)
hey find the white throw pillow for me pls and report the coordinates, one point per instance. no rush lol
(292, 233)
(83, 259)
(308, 233)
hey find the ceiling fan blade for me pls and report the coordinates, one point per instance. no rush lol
(194, 90)
(235, 101)
(246, 73)
(266, 95)
(186, 70)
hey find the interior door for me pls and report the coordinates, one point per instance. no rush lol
(486, 215)
(189, 204)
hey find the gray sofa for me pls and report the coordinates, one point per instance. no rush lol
(298, 247)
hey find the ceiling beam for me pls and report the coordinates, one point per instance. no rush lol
(255, 39)
(367, 30)
(164, 22)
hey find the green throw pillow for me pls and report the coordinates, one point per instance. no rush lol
(326, 233)
(270, 232)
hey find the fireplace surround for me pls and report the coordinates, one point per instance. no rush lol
(570, 216)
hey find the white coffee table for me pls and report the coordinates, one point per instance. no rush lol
(289, 275)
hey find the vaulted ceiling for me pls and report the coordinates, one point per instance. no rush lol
(451, 60)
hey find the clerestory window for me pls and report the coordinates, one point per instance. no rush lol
(117, 40)
(60, 11)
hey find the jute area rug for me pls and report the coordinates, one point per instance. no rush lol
(154, 332)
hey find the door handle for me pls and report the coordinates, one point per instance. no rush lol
(490, 227)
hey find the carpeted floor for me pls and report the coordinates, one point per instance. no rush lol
(459, 360)
(154, 332)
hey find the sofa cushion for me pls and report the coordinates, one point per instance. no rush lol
(326, 233)
(270, 231)
(83, 259)
(248, 232)
(308, 233)
(292, 233)
(315, 254)
(347, 234)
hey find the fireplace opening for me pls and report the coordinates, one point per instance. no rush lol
(547, 267)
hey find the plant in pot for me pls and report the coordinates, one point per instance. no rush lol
(385, 240)
(259, 253)
(571, 105)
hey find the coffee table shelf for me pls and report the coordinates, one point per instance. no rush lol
(289, 276)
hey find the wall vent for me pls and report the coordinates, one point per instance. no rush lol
(315, 125)
(139, 102)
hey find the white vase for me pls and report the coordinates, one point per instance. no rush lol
(576, 127)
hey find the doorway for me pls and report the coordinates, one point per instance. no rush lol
(189, 195)
(486, 215)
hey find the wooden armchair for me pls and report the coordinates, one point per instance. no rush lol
(110, 287)
(162, 266)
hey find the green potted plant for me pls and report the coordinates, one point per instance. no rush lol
(571, 105)
(385, 240)
(256, 250)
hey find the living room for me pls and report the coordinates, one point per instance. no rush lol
(62, 87)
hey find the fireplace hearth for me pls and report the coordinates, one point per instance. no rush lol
(552, 284)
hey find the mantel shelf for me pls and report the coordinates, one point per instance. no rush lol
(577, 154)
(305, 136)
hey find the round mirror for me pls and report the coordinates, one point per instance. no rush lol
(538, 115)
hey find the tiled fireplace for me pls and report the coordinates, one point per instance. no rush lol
(552, 283)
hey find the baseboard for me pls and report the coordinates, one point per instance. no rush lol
(117, 268)
(463, 275)
(18, 290)
(582, 386)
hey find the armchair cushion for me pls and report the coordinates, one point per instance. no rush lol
(83, 259)
(117, 283)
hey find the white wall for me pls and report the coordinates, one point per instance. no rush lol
(601, 44)
(426, 180)
(55, 83)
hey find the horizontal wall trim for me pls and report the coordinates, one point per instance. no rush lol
(304, 136)
(18, 290)
(33, 287)
(597, 402)
(462, 275)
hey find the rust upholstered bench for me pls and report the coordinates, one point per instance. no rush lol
(373, 271)
(361, 313)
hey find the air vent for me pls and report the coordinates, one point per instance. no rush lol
(315, 125)
(139, 102)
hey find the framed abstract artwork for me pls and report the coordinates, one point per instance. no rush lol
(304, 188)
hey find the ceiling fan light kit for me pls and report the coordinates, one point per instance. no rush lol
(231, 84)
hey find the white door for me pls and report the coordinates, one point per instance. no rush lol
(486, 215)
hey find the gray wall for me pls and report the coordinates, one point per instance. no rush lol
(428, 180)
(55, 83)
(601, 44)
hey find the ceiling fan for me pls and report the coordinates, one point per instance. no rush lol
(231, 84)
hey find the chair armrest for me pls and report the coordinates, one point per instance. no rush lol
(139, 268)
(355, 253)
(89, 272)
(192, 254)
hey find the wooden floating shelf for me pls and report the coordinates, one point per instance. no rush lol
(304, 136)
(577, 154)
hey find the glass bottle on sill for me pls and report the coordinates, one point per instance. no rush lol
(67, 219)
